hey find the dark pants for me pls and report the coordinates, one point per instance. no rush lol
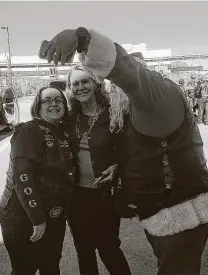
(203, 110)
(180, 254)
(27, 257)
(94, 225)
(3, 119)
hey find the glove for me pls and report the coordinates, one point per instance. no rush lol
(61, 48)
(64, 45)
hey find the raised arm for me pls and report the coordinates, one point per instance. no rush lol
(151, 95)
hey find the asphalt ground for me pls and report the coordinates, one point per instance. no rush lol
(134, 244)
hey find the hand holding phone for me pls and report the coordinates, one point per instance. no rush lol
(107, 175)
(98, 179)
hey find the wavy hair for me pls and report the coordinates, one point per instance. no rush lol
(106, 94)
(119, 106)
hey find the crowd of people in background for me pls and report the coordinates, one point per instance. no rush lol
(196, 93)
(195, 90)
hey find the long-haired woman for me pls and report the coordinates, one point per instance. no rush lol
(97, 118)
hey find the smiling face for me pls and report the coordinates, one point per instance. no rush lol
(82, 86)
(52, 106)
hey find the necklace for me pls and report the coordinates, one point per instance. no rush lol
(91, 124)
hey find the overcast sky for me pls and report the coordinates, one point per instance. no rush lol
(181, 26)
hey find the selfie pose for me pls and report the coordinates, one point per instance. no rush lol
(166, 176)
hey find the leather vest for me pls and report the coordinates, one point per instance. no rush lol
(55, 173)
(160, 173)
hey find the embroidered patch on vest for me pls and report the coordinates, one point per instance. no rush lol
(56, 211)
(63, 143)
(28, 191)
(32, 203)
(24, 177)
(49, 144)
(44, 129)
(66, 134)
(49, 137)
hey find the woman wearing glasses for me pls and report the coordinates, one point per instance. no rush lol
(38, 188)
(96, 128)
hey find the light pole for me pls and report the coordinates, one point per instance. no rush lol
(9, 58)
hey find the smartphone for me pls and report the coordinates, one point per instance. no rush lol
(98, 179)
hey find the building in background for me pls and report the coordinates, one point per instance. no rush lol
(174, 67)
(150, 55)
(30, 72)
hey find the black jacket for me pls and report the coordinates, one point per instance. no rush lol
(104, 146)
(163, 172)
(40, 174)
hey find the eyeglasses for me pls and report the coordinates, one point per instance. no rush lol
(49, 101)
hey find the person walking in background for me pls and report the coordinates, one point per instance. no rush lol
(190, 90)
(166, 177)
(181, 84)
(38, 188)
(201, 95)
(96, 127)
(3, 119)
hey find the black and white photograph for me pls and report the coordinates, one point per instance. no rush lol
(103, 138)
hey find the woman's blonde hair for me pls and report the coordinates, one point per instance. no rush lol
(114, 97)
(119, 106)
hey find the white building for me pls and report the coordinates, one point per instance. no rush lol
(130, 48)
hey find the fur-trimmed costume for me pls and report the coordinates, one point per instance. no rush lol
(157, 133)
(165, 173)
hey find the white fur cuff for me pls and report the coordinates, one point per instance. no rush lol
(101, 56)
(180, 217)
